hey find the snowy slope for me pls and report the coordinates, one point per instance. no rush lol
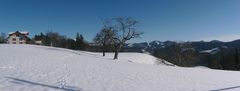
(37, 68)
(131, 57)
(211, 51)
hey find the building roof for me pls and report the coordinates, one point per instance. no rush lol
(23, 32)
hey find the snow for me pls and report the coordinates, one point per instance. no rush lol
(157, 42)
(39, 68)
(211, 51)
(130, 44)
(187, 49)
(201, 67)
(23, 32)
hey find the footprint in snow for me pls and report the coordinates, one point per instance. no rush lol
(129, 61)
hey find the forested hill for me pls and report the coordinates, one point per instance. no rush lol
(214, 54)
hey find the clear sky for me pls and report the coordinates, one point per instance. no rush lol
(179, 20)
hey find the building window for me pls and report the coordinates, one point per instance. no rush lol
(14, 42)
(21, 39)
(21, 42)
(14, 39)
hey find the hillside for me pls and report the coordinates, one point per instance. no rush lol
(197, 45)
(39, 68)
(213, 54)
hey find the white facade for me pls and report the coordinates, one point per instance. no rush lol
(17, 38)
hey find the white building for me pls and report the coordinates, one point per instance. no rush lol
(17, 37)
(38, 42)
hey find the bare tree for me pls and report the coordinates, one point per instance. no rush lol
(124, 29)
(103, 38)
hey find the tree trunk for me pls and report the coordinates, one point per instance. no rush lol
(116, 55)
(104, 49)
(103, 53)
(117, 48)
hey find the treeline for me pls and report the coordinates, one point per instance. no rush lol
(56, 40)
(186, 55)
(225, 58)
(3, 38)
(181, 54)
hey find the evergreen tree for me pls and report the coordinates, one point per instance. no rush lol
(3, 38)
(70, 44)
(237, 59)
(80, 43)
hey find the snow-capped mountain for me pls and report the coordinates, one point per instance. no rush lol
(147, 46)
(211, 51)
(197, 45)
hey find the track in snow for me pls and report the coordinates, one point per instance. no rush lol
(39, 68)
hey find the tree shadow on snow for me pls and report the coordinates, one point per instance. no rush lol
(24, 82)
(224, 89)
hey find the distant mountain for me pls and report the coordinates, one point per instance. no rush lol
(214, 54)
(150, 47)
(147, 46)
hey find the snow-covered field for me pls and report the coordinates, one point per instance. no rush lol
(38, 68)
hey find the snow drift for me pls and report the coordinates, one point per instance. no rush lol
(39, 68)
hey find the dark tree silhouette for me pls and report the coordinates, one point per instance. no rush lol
(3, 38)
(104, 38)
(124, 29)
(80, 43)
(236, 59)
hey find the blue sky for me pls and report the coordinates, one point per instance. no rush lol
(178, 20)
